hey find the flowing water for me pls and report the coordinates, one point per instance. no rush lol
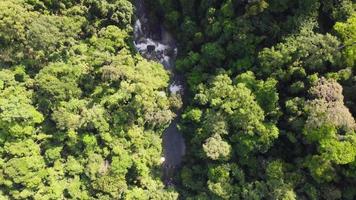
(154, 42)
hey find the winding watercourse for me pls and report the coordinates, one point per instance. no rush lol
(154, 42)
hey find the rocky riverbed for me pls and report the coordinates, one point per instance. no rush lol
(154, 42)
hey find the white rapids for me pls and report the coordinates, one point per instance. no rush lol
(154, 42)
(164, 50)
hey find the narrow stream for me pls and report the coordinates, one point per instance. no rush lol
(154, 42)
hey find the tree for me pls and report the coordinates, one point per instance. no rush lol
(332, 127)
(278, 183)
(347, 31)
(213, 54)
(328, 107)
(237, 104)
(35, 38)
(81, 113)
(217, 149)
(23, 169)
(11, 12)
(18, 117)
(58, 82)
(310, 50)
(120, 12)
(265, 92)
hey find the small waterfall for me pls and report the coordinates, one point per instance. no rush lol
(159, 45)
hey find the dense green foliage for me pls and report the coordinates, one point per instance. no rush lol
(269, 115)
(81, 113)
(272, 97)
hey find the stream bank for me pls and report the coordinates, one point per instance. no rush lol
(154, 42)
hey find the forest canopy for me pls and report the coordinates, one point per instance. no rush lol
(268, 113)
(271, 108)
(81, 113)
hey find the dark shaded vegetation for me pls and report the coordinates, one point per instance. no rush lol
(272, 97)
(270, 111)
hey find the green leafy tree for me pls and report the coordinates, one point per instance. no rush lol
(18, 117)
(347, 31)
(307, 49)
(217, 149)
(332, 127)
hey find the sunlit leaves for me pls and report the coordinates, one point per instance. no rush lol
(217, 149)
(347, 32)
(18, 117)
